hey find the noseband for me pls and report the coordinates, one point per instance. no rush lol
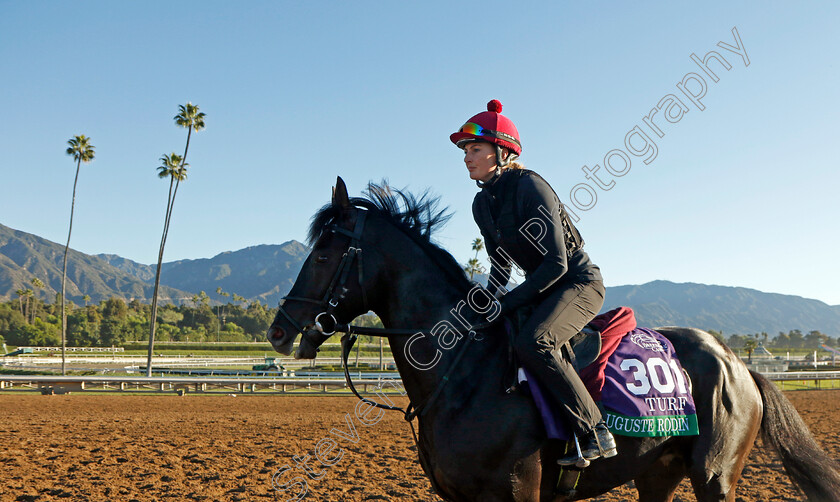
(337, 290)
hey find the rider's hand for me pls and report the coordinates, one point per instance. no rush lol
(476, 320)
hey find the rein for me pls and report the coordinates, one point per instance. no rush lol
(410, 412)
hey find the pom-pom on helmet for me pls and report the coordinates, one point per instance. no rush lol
(490, 126)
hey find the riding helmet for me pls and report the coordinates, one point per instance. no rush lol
(490, 126)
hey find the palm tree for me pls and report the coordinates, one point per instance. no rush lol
(37, 284)
(220, 312)
(82, 151)
(189, 117)
(477, 245)
(21, 293)
(474, 266)
(749, 345)
(173, 167)
(86, 299)
(28, 294)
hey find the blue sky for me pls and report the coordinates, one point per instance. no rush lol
(739, 194)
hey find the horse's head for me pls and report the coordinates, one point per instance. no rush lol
(327, 290)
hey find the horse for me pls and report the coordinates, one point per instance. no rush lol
(478, 442)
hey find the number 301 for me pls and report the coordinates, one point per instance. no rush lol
(664, 377)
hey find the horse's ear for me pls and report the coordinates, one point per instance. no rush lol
(340, 197)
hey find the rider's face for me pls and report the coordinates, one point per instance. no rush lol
(480, 158)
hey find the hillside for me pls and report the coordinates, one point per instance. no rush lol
(264, 272)
(723, 308)
(267, 272)
(24, 256)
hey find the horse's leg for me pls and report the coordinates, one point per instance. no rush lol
(729, 410)
(661, 480)
(719, 484)
(719, 454)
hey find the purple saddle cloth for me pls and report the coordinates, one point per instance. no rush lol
(646, 393)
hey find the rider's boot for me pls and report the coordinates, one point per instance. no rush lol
(596, 443)
(600, 443)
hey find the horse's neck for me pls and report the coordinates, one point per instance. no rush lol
(420, 298)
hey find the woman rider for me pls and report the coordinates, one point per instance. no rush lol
(522, 221)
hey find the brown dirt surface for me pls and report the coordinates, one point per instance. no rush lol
(107, 447)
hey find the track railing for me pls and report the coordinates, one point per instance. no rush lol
(49, 384)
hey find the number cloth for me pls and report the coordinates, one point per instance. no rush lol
(646, 392)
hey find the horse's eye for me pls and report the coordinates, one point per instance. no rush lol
(322, 259)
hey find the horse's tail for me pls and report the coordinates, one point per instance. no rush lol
(805, 462)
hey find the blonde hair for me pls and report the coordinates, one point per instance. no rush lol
(514, 165)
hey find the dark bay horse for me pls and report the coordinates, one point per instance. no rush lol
(479, 443)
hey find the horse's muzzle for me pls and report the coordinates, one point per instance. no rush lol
(276, 337)
(305, 350)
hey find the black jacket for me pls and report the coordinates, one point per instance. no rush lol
(522, 219)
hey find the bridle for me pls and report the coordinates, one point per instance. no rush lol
(336, 290)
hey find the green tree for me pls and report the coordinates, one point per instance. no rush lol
(10, 321)
(83, 326)
(782, 340)
(82, 151)
(735, 341)
(190, 117)
(114, 317)
(797, 341)
(814, 339)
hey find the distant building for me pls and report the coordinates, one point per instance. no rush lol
(764, 362)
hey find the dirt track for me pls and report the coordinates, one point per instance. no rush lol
(124, 448)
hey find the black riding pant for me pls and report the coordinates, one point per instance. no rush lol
(557, 318)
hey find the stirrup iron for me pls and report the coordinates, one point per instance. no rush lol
(580, 461)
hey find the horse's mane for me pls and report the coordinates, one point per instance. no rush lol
(417, 217)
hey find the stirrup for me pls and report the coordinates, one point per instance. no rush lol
(578, 461)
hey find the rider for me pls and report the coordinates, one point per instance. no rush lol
(522, 221)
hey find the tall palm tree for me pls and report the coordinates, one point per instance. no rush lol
(20, 293)
(189, 117)
(220, 312)
(477, 245)
(28, 294)
(82, 151)
(37, 284)
(474, 266)
(173, 167)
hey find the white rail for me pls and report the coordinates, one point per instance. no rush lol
(272, 384)
(64, 384)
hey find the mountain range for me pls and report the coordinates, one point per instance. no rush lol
(267, 272)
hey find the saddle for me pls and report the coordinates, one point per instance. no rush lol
(581, 350)
(584, 348)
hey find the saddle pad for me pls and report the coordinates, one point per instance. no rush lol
(646, 392)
